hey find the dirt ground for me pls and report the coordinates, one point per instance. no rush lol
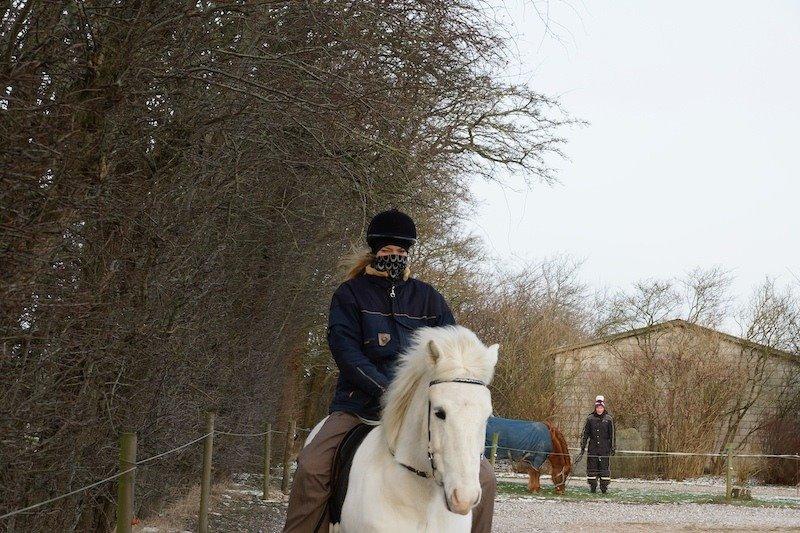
(237, 507)
(551, 516)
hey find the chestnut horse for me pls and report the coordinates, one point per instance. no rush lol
(560, 463)
(528, 445)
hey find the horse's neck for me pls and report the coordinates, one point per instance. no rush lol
(412, 441)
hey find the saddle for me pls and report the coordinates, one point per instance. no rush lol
(340, 474)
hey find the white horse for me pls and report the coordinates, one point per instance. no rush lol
(419, 470)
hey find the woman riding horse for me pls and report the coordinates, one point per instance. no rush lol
(372, 317)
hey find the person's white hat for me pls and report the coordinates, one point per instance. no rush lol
(600, 400)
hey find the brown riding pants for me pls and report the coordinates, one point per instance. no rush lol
(311, 485)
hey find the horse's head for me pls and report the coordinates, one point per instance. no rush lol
(449, 370)
(560, 459)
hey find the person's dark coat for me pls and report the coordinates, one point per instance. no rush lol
(371, 322)
(598, 433)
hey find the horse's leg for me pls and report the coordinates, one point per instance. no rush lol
(557, 473)
(533, 479)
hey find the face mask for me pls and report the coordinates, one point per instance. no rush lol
(393, 264)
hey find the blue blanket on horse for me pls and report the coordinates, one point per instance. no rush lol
(520, 440)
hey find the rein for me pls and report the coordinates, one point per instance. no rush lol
(562, 476)
(432, 473)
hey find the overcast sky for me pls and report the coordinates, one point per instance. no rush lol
(692, 154)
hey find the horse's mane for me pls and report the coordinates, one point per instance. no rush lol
(460, 355)
(560, 455)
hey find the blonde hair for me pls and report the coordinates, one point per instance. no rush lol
(356, 262)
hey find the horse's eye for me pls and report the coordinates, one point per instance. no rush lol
(440, 414)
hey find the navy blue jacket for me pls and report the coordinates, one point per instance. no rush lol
(371, 322)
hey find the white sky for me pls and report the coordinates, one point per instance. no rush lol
(692, 156)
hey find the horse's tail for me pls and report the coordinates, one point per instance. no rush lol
(559, 458)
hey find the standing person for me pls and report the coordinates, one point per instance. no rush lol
(599, 433)
(372, 317)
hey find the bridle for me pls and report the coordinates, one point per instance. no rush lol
(563, 476)
(432, 473)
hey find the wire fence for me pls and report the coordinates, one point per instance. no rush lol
(292, 435)
(66, 495)
(207, 438)
(735, 485)
(635, 454)
(262, 433)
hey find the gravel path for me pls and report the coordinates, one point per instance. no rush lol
(246, 513)
(238, 508)
(553, 515)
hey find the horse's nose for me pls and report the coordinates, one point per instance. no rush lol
(457, 505)
(463, 506)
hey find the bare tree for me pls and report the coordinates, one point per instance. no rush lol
(529, 312)
(178, 181)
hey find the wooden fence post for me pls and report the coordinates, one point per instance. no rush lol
(493, 453)
(287, 455)
(205, 482)
(267, 457)
(728, 470)
(126, 484)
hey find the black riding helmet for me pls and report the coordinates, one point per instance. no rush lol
(391, 227)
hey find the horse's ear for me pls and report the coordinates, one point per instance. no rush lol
(494, 351)
(433, 352)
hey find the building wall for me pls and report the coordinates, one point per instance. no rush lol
(578, 370)
(774, 372)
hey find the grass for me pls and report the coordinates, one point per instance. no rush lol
(622, 495)
(178, 512)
